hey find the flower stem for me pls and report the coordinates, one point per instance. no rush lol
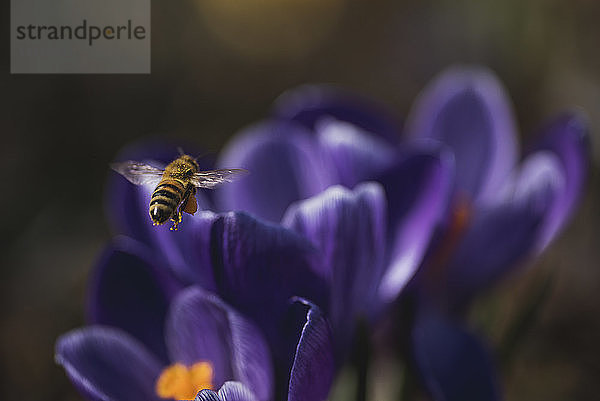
(362, 352)
(526, 317)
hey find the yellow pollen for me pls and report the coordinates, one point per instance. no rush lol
(179, 382)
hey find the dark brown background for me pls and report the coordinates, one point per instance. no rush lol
(217, 69)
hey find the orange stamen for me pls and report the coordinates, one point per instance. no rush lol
(180, 382)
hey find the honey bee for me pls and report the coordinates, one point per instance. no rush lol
(175, 185)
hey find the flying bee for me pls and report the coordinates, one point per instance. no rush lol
(175, 185)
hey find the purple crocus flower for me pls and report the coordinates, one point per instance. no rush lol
(151, 339)
(502, 212)
(510, 210)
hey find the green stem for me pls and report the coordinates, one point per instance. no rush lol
(408, 388)
(524, 321)
(362, 352)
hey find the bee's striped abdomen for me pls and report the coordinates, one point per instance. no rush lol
(165, 199)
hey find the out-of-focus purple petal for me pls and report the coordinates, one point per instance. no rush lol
(259, 266)
(541, 169)
(567, 138)
(108, 365)
(187, 250)
(131, 291)
(452, 363)
(468, 109)
(418, 192)
(356, 154)
(284, 165)
(230, 391)
(500, 237)
(349, 229)
(313, 368)
(201, 327)
(310, 104)
(538, 171)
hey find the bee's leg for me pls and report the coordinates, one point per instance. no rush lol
(182, 206)
(176, 220)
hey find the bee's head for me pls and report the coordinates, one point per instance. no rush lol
(189, 159)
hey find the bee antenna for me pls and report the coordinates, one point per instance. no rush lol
(201, 155)
(180, 150)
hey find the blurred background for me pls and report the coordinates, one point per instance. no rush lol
(217, 65)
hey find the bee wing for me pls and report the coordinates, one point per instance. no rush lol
(212, 178)
(138, 173)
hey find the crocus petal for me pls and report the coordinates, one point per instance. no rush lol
(467, 109)
(310, 104)
(236, 391)
(349, 229)
(207, 395)
(108, 365)
(538, 169)
(201, 327)
(500, 237)
(259, 266)
(187, 250)
(452, 363)
(418, 191)
(284, 167)
(131, 291)
(230, 391)
(313, 368)
(356, 154)
(567, 138)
